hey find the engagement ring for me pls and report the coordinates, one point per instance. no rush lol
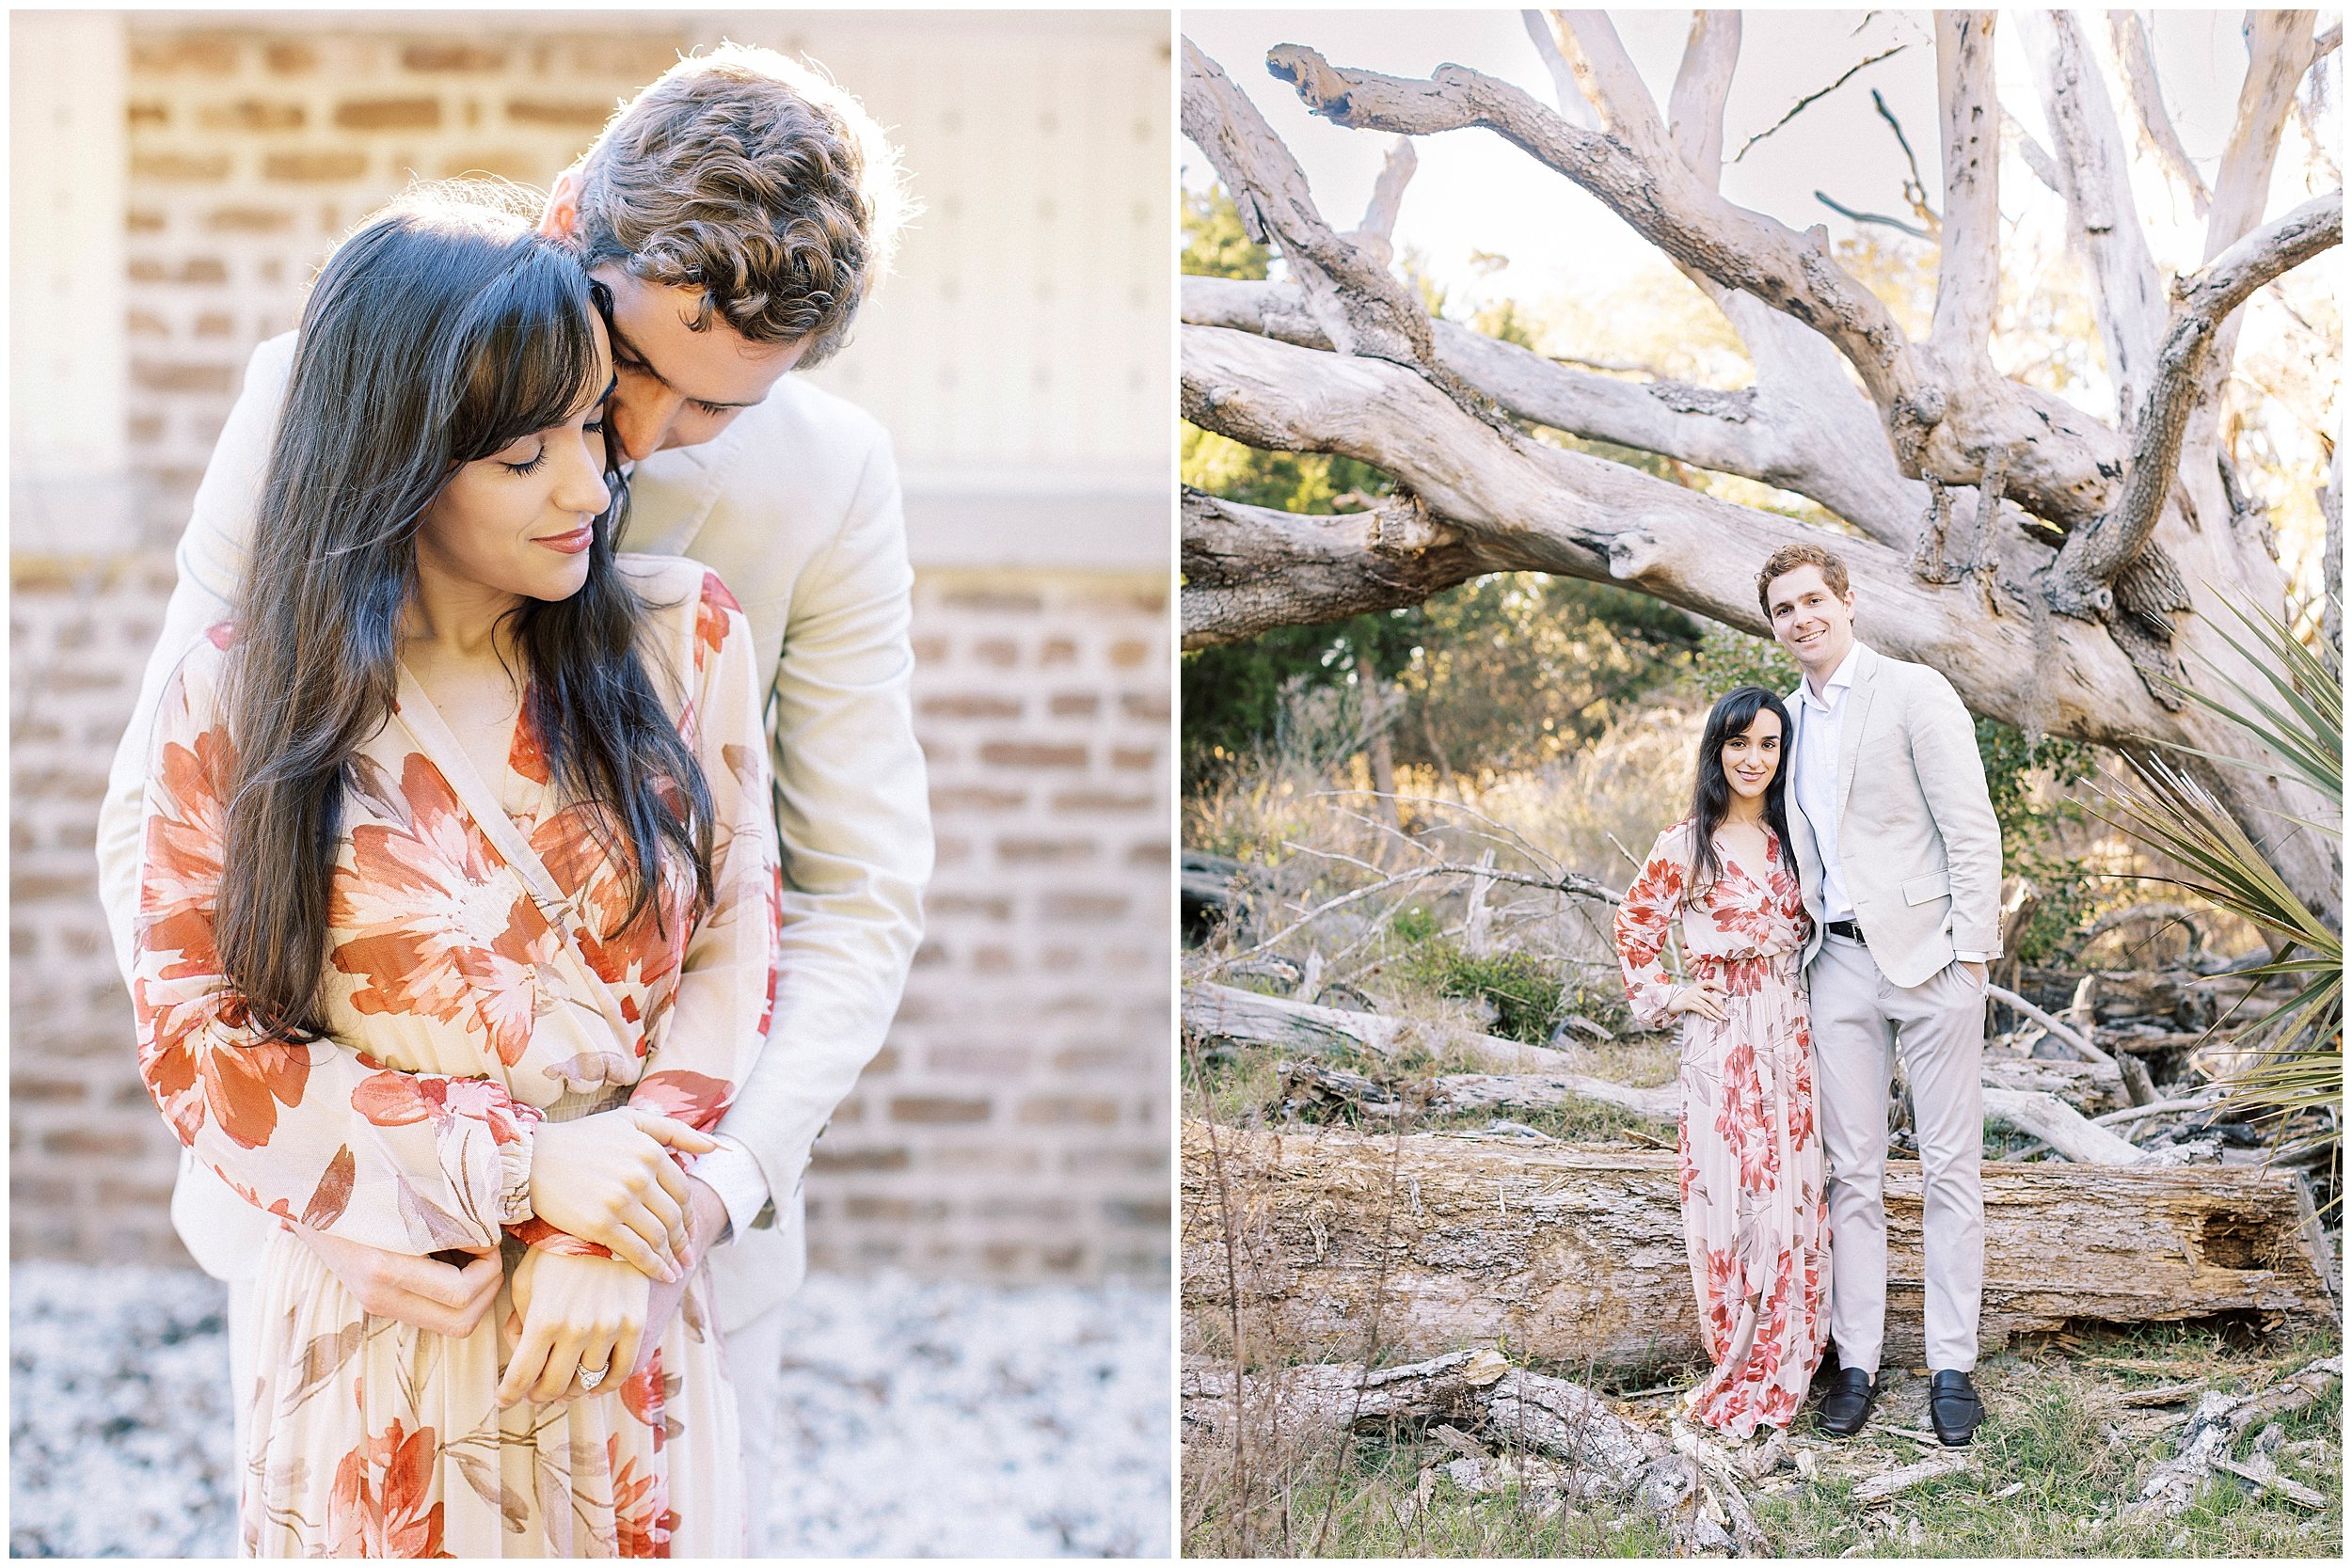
(591, 1376)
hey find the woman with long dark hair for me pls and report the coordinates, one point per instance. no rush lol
(457, 920)
(1751, 1160)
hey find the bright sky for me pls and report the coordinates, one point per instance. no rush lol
(1474, 192)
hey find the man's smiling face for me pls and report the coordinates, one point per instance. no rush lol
(675, 386)
(1811, 622)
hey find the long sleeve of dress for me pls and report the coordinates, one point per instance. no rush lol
(1652, 907)
(718, 1020)
(410, 1163)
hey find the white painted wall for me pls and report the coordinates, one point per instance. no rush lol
(67, 461)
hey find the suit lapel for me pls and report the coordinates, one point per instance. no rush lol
(673, 493)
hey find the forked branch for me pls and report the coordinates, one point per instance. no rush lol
(2081, 579)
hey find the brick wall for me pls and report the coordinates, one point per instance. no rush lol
(1016, 1124)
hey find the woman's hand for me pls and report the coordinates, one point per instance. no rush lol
(423, 1292)
(609, 1179)
(1707, 999)
(576, 1314)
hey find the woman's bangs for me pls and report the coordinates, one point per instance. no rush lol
(533, 363)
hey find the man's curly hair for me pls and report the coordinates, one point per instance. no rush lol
(748, 175)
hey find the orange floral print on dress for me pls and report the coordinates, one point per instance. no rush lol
(440, 930)
(479, 980)
(380, 1505)
(1748, 1159)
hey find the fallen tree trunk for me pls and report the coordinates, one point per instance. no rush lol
(2063, 1128)
(1577, 1255)
(2090, 1087)
(1226, 1013)
(1600, 1454)
(1307, 1082)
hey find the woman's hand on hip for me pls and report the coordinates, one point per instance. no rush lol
(1707, 998)
(609, 1179)
(573, 1313)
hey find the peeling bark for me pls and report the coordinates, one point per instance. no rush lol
(1577, 1255)
(1249, 569)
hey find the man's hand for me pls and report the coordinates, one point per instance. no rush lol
(418, 1291)
(707, 1217)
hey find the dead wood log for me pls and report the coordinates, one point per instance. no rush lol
(1577, 1254)
(1224, 1013)
(2063, 1128)
(2088, 1086)
(1597, 1453)
(1877, 1489)
(2220, 1420)
(1310, 1084)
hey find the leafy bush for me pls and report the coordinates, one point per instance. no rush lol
(1524, 992)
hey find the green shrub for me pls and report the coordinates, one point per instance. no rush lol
(1524, 992)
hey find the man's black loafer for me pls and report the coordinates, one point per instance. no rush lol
(1847, 1404)
(1953, 1408)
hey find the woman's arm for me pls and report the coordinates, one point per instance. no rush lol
(317, 1134)
(1651, 906)
(728, 980)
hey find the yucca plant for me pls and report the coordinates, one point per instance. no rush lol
(2295, 1059)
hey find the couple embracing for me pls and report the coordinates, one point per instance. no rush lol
(1835, 890)
(506, 911)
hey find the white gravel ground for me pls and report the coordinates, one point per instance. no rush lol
(920, 1420)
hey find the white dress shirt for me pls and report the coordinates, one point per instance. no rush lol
(1820, 731)
(1821, 735)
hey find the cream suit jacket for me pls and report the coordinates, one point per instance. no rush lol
(796, 507)
(1917, 841)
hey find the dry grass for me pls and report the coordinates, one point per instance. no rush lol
(2060, 1455)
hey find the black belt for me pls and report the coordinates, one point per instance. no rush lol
(1846, 928)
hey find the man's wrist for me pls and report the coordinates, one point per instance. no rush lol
(732, 1177)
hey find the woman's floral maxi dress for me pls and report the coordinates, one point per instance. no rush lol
(479, 981)
(1753, 1214)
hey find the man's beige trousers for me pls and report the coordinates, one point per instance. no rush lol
(1860, 1019)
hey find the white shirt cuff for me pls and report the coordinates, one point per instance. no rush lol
(1970, 957)
(730, 1171)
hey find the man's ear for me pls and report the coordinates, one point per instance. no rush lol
(560, 220)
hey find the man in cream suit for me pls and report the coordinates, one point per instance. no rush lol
(739, 165)
(1900, 855)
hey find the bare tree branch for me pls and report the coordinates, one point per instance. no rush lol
(2036, 155)
(2095, 174)
(1694, 109)
(1361, 308)
(1569, 96)
(2066, 465)
(2093, 556)
(1856, 215)
(1377, 235)
(1822, 444)
(2146, 94)
(1915, 189)
(1605, 74)
(2279, 53)
(1529, 507)
(1968, 275)
(1249, 569)
(1812, 98)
